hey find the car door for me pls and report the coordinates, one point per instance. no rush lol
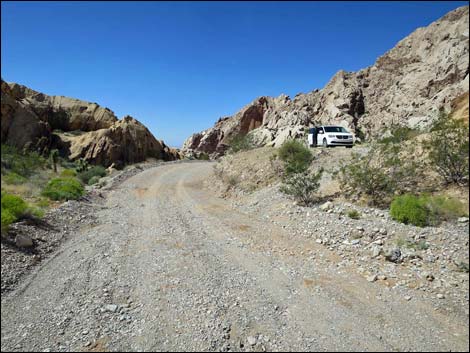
(320, 135)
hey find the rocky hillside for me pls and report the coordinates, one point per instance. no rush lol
(424, 72)
(77, 128)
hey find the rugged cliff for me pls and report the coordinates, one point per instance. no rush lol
(423, 73)
(77, 128)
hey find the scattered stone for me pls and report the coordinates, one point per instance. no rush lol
(251, 340)
(326, 206)
(463, 220)
(372, 278)
(407, 297)
(440, 296)
(393, 255)
(112, 308)
(23, 241)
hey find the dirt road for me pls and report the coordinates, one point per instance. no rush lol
(171, 267)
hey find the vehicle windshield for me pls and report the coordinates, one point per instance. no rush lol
(335, 129)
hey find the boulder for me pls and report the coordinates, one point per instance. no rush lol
(23, 241)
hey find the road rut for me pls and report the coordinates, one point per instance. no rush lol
(171, 267)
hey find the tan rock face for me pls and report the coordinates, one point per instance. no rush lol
(29, 117)
(20, 126)
(126, 141)
(425, 71)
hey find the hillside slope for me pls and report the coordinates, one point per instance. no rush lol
(77, 128)
(407, 85)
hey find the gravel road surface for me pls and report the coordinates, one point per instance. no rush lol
(171, 267)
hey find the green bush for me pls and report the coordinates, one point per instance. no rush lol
(12, 208)
(203, 156)
(241, 142)
(448, 150)
(68, 173)
(63, 189)
(14, 178)
(353, 214)
(302, 186)
(81, 165)
(94, 180)
(296, 157)
(384, 171)
(409, 209)
(7, 219)
(23, 163)
(14, 204)
(399, 134)
(86, 175)
(444, 208)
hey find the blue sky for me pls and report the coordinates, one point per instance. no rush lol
(179, 66)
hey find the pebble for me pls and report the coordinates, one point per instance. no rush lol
(251, 340)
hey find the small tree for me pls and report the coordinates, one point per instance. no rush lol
(296, 157)
(54, 155)
(302, 186)
(241, 142)
(383, 172)
(448, 150)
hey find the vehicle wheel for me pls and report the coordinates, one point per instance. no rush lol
(325, 143)
(348, 146)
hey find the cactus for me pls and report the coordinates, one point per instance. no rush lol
(82, 165)
(54, 155)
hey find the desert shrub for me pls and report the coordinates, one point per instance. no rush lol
(23, 163)
(14, 204)
(296, 157)
(68, 173)
(410, 209)
(203, 156)
(399, 134)
(94, 180)
(81, 165)
(448, 150)
(241, 142)
(13, 178)
(444, 208)
(12, 208)
(233, 180)
(384, 171)
(353, 214)
(63, 189)
(86, 175)
(7, 219)
(302, 186)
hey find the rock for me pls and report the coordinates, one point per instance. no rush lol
(372, 99)
(376, 250)
(428, 276)
(326, 206)
(440, 296)
(112, 308)
(355, 241)
(393, 255)
(30, 117)
(383, 231)
(23, 241)
(462, 219)
(407, 297)
(251, 340)
(371, 278)
(381, 277)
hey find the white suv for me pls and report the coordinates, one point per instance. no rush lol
(327, 136)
